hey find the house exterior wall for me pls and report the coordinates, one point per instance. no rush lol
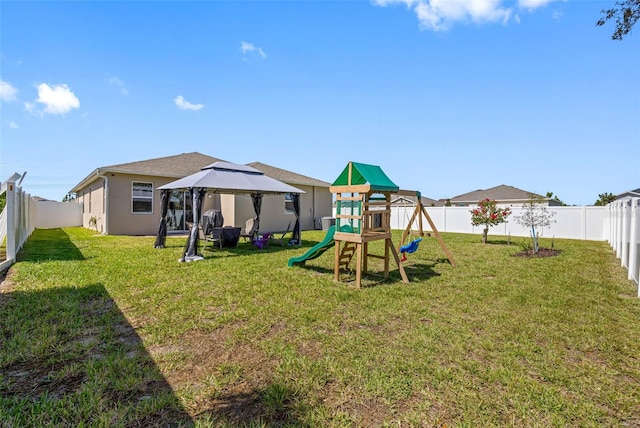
(122, 221)
(93, 205)
(319, 203)
(236, 209)
(314, 204)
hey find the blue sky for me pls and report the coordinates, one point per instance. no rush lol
(447, 96)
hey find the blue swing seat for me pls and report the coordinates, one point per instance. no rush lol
(411, 247)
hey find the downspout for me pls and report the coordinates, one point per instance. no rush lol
(313, 208)
(105, 201)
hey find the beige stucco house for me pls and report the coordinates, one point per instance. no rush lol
(123, 200)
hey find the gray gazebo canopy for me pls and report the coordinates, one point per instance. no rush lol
(224, 177)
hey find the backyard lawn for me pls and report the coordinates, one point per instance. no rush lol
(108, 331)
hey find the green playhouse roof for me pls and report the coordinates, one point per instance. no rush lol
(362, 173)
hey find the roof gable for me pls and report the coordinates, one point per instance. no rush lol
(355, 174)
(169, 166)
(175, 166)
(287, 176)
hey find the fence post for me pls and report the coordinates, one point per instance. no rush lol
(618, 228)
(444, 217)
(626, 226)
(634, 243)
(11, 222)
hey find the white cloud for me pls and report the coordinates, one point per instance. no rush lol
(114, 81)
(13, 125)
(58, 99)
(440, 15)
(7, 92)
(186, 105)
(533, 4)
(247, 47)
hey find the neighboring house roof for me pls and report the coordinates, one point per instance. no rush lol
(633, 193)
(501, 193)
(411, 200)
(355, 174)
(287, 176)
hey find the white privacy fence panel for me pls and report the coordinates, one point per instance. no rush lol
(18, 220)
(52, 214)
(623, 221)
(22, 214)
(3, 225)
(569, 222)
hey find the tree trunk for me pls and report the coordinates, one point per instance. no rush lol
(484, 235)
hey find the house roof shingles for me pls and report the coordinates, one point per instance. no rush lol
(287, 176)
(176, 166)
(168, 166)
(182, 165)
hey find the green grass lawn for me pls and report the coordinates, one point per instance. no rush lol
(108, 331)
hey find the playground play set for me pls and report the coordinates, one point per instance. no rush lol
(363, 215)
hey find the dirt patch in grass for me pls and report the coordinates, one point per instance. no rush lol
(542, 252)
(6, 281)
(225, 375)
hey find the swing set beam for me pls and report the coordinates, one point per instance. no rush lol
(419, 212)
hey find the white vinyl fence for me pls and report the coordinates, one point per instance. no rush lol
(52, 214)
(22, 214)
(584, 222)
(18, 219)
(623, 234)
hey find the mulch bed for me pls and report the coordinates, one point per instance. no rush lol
(542, 252)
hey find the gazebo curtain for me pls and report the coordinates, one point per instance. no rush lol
(164, 209)
(295, 239)
(197, 195)
(256, 199)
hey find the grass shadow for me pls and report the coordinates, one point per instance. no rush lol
(69, 357)
(52, 244)
(421, 270)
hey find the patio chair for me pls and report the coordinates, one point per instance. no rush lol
(214, 238)
(280, 239)
(261, 242)
(249, 231)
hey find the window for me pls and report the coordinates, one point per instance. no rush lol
(141, 197)
(288, 204)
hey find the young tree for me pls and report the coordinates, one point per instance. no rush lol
(604, 199)
(534, 216)
(488, 214)
(626, 13)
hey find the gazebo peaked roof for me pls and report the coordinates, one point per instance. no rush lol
(224, 177)
(227, 177)
(366, 177)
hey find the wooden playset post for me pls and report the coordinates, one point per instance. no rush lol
(419, 212)
(369, 219)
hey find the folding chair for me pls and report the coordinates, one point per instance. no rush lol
(249, 230)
